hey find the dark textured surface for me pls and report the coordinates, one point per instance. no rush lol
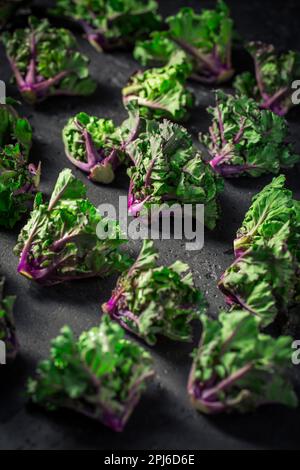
(164, 419)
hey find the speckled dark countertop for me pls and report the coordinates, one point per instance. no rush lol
(164, 419)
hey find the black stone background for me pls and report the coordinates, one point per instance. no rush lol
(164, 419)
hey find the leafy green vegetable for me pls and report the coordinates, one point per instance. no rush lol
(168, 169)
(206, 38)
(274, 74)
(161, 92)
(96, 146)
(102, 375)
(67, 239)
(110, 24)
(244, 140)
(271, 210)
(7, 324)
(236, 368)
(150, 300)
(18, 179)
(265, 278)
(46, 62)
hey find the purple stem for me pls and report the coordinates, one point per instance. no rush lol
(272, 102)
(130, 316)
(45, 84)
(85, 167)
(231, 297)
(229, 171)
(94, 36)
(60, 244)
(111, 307)
(143, 102)
(147, 181)
(47, 276)
(92, 154)
(29, 84)
(95, 158)
(243, 304)
(226, 383)
(202, 79)
(197, 54)
(135, 208)
(213, 138)
(240, 133)
(259, 80)
(113, 159)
